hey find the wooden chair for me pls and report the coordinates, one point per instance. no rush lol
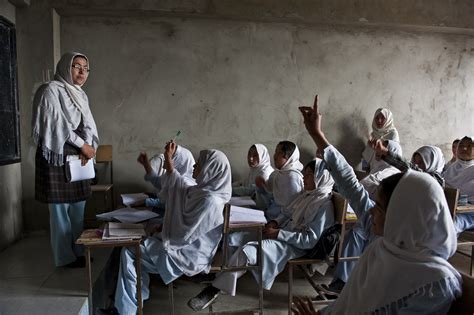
(466, 238)
(220, 261)
(464, 304)
(340, 208)
(104, 157)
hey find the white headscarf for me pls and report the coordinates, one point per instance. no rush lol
(388, 130)
(432, 157)
(264, 167)
(293, 164)
(460, 175)
(193, 211)
(304, 207)
(419, 237)
(54, 119)
(157, 163)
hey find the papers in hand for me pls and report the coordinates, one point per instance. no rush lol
(123, 231)
(76, 171)
(246, 215)
(244, 201)
(127, 215)
(134, 199)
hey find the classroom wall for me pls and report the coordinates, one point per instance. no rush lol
(227, 75)
(11, 217)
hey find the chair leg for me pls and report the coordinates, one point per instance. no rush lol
(171, 298)
(290, 287)
(472, 261)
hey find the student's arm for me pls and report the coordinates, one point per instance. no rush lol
(342, 173)
(170, 148)
(308, 237)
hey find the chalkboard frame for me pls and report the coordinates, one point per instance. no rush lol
(13, 152)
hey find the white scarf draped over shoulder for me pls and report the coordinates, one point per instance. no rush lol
(388, 130)
(58, 108)
(183, 161)
(264, 168)
(194, 210)
(433, 158)
(293, 164)
(460, 175)
(419, 237)
(305, 207)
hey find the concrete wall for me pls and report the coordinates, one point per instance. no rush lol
(228, 74)
(11, 217)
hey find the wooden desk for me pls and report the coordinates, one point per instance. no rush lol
(91, 239)
(466, 208)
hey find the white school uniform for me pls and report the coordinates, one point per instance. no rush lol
(312, 212)
(192, 229)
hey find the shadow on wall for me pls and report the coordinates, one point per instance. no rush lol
(351, 143)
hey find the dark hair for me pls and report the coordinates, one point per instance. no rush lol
(456, 141)
(287, 147)
(466, 138)
(388, 185)
(311, 165)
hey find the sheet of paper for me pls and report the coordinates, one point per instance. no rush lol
(246, 215)
(119, 231)
(127, 215)
(79, 172)
(244, 201)
(133, 199)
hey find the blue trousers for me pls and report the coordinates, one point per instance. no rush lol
(464, 221)
(66, 221)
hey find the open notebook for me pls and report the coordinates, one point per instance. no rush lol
(246, 215)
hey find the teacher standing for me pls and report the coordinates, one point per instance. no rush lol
(63, 125)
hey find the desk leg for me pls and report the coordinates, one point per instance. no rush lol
(89, 279)
(260, 271)
(138, 267)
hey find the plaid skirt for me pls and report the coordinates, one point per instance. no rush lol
(51, 185)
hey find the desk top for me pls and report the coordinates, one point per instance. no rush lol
(93, 237)
(466, 208)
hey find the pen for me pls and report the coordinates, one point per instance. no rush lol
(175, 137)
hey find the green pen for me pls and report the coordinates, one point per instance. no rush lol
(177, 135)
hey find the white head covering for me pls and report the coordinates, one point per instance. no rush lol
(54, 119)
(419, 237)
(432, 157)
(264, 167)
(304, 207)
(388, 130)
(157, 163)
(192, 211)
(183, 161)
(293, 163)
(460, 175)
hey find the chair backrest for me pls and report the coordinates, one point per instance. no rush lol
(340, 209)
(452, 195)
(464, 304)
(104, 153)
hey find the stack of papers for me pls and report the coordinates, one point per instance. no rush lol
(239, 215)
(123, 231)
(244, 201)
(127, 215)
(134, 199)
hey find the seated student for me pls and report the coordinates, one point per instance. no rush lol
(183, 161)
(383, 128)
(405, 270)
(258, 160)
(192, 227)
(286, 181)
(454, 149)
(312, 212)
(428, 159)
(460, 175)
(379, 169)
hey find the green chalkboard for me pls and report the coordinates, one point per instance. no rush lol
(9, 111)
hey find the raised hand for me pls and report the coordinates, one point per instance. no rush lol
(143, 158)
(170, 149)
(312, 117)
(379, 148)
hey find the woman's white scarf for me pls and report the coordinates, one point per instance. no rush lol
(193, 211)
(388, 130)
(460, 175)
(264, 168)
(293, 164)
(433, 158)
(419, 237)
(54, 119)
(305, 206)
